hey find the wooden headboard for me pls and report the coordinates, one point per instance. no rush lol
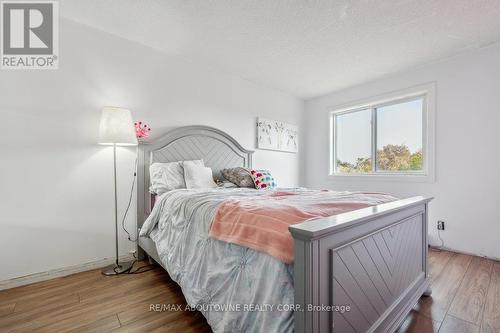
(217, 149)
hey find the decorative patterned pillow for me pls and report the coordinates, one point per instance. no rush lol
(263, 179)
(239, 176)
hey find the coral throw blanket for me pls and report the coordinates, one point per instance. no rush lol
(261, 222)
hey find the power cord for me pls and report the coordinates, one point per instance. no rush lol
(129, 236)
(142, 269)
(442, 241)
(145, 268)
(440, 247)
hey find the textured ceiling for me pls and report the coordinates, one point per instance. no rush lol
(306, 48)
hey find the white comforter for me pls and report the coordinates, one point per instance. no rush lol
(237, 289)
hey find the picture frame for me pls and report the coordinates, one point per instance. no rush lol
(277, 135)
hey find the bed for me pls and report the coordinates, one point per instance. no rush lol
(360, 271)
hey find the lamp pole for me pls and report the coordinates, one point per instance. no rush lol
(116, 268)
(116, 205)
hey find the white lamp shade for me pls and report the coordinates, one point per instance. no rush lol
(117, 127)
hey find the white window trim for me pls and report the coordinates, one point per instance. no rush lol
(428, 149)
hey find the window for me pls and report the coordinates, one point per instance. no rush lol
(385, 138)
(354, 151)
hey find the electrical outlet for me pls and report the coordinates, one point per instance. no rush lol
(440, 225)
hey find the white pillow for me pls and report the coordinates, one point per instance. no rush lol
(165, 177)
(192, 163)
(198, 176)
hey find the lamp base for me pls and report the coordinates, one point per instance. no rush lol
(123, 267)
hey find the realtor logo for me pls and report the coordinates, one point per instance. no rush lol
(30, 34)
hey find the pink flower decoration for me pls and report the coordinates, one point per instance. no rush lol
(141, 130)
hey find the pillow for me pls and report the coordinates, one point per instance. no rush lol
(198, 176)
(192, 162)
(165, 177)
(263, 179)
(227, 184)
(239, 176)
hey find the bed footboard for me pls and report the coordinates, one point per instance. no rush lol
(361, 271)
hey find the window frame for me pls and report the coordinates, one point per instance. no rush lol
(427, 93)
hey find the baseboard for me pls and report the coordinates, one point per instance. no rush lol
(60, 272)
(444, 248)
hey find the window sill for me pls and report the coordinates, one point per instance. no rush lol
(409, 178)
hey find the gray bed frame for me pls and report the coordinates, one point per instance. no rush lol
(361, 271)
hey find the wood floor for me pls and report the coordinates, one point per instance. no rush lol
(465, 298)
(91, 302)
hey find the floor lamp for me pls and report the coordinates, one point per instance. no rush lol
(116, 129)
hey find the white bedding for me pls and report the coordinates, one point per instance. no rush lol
(214, 274)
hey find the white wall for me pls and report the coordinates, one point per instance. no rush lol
(56, 183)
(467, 187)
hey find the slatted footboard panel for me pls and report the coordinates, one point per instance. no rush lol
(370, 274)
(369, 266)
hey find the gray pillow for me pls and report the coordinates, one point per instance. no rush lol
(227, 184)
(239, 176)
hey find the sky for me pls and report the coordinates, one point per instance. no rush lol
(396, 124)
